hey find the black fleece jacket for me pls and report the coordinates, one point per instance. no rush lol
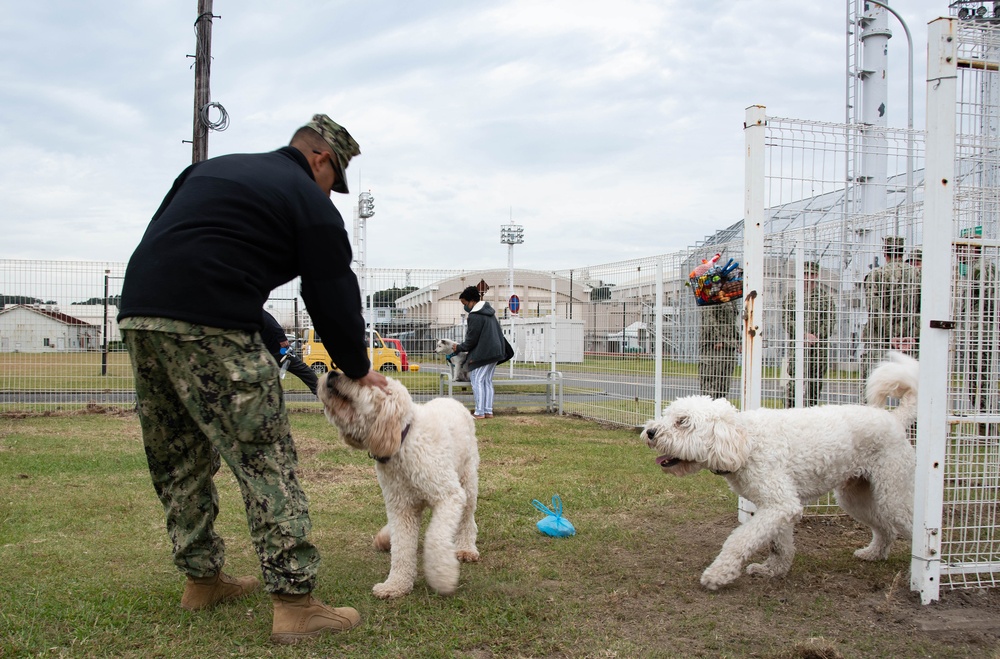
(233, 228)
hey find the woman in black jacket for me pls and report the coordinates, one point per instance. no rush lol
(487, 347)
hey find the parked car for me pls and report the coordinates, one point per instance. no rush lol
(383, 358)
(398, 345)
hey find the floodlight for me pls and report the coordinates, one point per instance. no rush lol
(366, 205)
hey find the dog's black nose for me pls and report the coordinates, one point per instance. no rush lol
(650, 433)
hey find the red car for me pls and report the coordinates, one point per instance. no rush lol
(398, 346)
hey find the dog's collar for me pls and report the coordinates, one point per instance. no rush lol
(386, 458)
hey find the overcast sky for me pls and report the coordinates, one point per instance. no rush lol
(609, 130)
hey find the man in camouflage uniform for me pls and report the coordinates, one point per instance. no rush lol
(977, 333)
(719, 339)
(818, 325)
(892, 295)
(230, 230)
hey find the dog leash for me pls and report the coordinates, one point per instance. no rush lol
(386, 458)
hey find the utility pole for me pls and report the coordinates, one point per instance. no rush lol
(202, 72)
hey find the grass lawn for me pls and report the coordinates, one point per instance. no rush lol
(85, 567)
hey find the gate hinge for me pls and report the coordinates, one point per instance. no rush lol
(943, 324)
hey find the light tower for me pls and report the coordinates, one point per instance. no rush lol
(366, 209)
(510, 235)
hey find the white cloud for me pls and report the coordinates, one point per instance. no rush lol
(610, 130)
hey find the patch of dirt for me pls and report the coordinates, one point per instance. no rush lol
(830, 604)
(89, 408)
(522, 420)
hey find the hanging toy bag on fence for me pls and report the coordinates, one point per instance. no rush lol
(553, 524)
(714, 283)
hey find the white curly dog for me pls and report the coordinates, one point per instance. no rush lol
(426, 456)
(459, 368)
(782, 459)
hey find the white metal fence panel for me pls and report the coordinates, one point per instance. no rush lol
(957, 513)
(838, 287)
(647, 340)
(59, 341)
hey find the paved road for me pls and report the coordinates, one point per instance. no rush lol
(577, 387)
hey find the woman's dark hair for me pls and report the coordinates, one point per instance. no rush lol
(471, 293)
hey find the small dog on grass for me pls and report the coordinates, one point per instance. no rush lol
(426, 457)
(459, 368)
(783, 459)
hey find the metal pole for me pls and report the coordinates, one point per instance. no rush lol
(754, 130)
(368, 293)
(753, 251)
(296, 323)
(570, 301)
(873, 175)
(799, 344)
(658, 350)
(104, 351)
(552, 325)
(909, 108)
(935, 308)
(510, 286)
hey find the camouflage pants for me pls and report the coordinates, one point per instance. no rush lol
(816, 364)
(204, 393)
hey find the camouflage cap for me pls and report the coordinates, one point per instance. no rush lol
(916, 255)
(341, 143)
(893, 241)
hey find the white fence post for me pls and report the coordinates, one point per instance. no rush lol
(658, 350)
(553, 327)
(799, 342)
(932, 425)
(753, 268)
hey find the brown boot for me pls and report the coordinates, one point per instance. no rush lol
(203, 592)
(297, 617)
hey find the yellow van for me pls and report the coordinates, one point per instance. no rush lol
(315, 355)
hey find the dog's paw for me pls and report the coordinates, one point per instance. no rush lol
(717, 576)
(387, 590)
(383, 541)
(467, 556)
(872, 553)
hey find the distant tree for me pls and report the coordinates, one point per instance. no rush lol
(388, 297)
(20, 299)
(114, 300)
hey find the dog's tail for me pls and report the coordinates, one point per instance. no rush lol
(895, 378)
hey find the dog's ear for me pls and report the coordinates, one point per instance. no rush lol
(728, 450)
(385, 433)
(385, 436)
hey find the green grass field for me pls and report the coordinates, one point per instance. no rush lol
(85, 562)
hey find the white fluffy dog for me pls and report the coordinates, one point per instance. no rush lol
(426, 456)
(459, 369)
(782, 459)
